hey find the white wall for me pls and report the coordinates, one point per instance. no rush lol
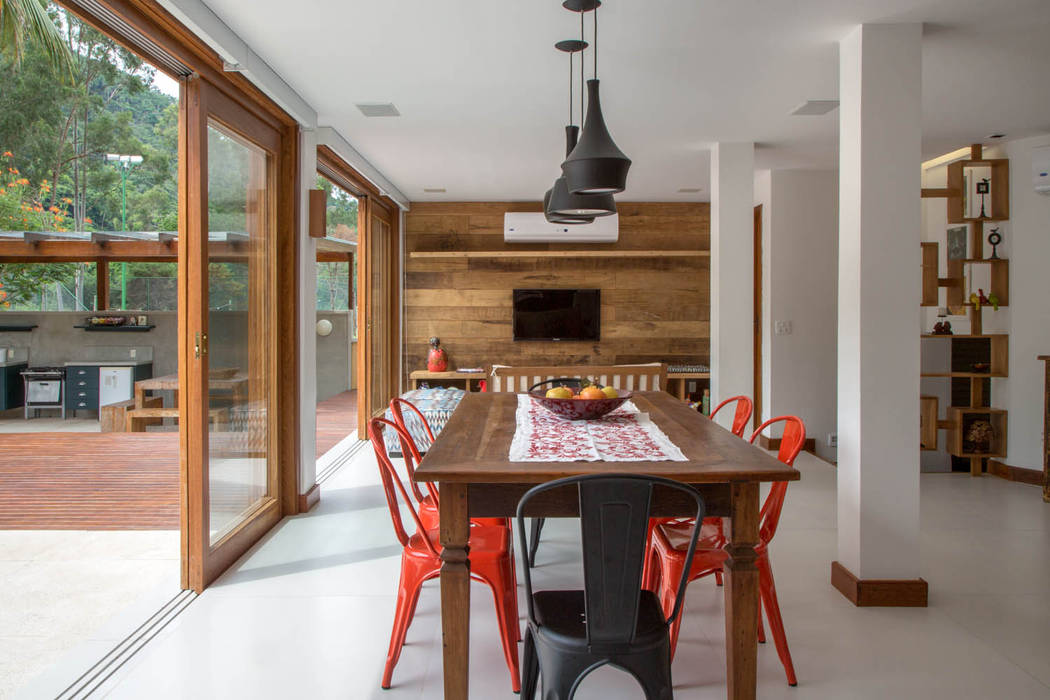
(1028, 237)
(800, 286)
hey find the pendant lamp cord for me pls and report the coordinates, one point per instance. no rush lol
(570, 88)
(582, 84)
(595, 43)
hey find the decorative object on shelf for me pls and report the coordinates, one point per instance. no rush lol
(705, 402)
(437, 358)
(981, 367)
(596, 165)
(994, 239)
(979, 437)
(993, 299)
(143, 321)
(106, 320)
(983, 188)
(942, 327)
(975, 300)
(562, 206)
(957, 242)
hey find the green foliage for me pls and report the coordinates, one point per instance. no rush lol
(342, 210)
(26, 23)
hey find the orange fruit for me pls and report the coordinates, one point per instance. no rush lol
(592, 392)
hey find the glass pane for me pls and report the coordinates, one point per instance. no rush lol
(240, 309)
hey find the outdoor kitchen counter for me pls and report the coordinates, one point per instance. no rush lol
(108, 363)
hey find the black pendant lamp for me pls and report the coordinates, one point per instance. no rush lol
(559, 219)
(596, 165)
(562, 202)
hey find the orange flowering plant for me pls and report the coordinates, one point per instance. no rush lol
(22, 205)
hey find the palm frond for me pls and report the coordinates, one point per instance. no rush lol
(22, 19)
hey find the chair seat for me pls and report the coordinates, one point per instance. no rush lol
(676, 535)
(561, 618)
(486, 542)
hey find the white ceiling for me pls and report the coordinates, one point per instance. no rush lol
(483, 93)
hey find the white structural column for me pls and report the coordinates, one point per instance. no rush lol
(307, 317)
(880, 86)
(732, 271)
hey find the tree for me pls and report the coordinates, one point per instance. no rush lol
(24, 21)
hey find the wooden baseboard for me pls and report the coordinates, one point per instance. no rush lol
(882, 593)
(768, 443)
(1020, 474)
(310, 499)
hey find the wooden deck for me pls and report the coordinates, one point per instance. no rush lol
(113, 481)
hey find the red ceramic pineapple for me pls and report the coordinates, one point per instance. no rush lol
(437, 358)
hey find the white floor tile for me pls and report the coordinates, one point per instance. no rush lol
(308, 612)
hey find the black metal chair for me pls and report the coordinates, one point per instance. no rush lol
(612, 620)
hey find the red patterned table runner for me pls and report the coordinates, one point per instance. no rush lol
(625, 435)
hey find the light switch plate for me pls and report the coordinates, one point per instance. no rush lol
(782, 328)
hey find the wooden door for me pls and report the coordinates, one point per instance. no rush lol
(378, 314)
(229, 376)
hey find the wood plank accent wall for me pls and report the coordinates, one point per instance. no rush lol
(653, 308)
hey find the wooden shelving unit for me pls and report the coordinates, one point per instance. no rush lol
(455, 254)
(975, 356)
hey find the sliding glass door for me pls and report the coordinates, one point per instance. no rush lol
(230, 383)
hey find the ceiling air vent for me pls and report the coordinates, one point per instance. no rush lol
(813, 108)
(386, 109)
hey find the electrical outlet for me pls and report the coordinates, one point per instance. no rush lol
(782, 328)
(833, 440)
(132, 352)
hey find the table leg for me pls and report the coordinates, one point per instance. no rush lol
(741, 593)
(140, 397)
(455, 589)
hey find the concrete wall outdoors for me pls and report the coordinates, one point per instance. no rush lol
(335, 355)
(799, 286)
(55, 341)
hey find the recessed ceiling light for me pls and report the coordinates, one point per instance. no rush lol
(813, 108)
(996, 136)
(434, 190)
(375, 109)
(690, 190)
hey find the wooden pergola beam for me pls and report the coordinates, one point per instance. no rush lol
(102, 283)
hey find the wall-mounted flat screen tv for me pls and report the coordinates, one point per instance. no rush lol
(557, 314)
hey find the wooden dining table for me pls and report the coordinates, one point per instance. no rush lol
(470, 462)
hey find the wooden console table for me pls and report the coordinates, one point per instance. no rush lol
(464, 378)
(678, 382)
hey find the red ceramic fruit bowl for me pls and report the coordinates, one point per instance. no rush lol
(574, 409)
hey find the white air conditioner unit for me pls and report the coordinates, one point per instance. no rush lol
(1041, 169)
(534, 228)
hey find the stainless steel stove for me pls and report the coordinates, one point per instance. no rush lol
(45, 388)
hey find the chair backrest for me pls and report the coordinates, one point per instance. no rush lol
(744, 409)
(650, 377)
(791, 444)
(392, 485)
(614, 519)
(412, 458)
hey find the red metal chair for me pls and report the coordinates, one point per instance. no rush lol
(710, 553)
(744, 408)
(491, 560)
(428, 502)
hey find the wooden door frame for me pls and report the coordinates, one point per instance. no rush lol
(757, 318)
(147, 29)
(369, 197)
(203, 562)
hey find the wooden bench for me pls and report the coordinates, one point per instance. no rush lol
(138, 418)
(630, 377)
(112, 417)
